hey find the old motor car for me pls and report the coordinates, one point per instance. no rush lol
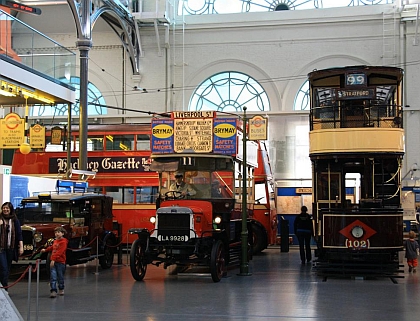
(87, 218)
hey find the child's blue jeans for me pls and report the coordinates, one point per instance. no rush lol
(57, 276)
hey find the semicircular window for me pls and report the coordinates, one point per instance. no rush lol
(229, 92)
(302, 97)
(95, 102)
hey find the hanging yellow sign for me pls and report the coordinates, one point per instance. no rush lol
(12, 130)
(56, 133)
(257, 129)
(37, 136)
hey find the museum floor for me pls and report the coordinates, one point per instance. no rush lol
(278, 289)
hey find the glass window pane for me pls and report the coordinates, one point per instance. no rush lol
(121, 195)
(119, 142)
(146, 194)
(143, 142)
(230, 92)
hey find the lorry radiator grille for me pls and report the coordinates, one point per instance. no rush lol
(173, 224)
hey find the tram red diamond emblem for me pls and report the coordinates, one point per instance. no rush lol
(367, 230)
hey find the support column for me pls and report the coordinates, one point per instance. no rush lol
(84, 47)
(82, 14)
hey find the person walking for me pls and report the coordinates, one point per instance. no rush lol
(11, 241)
(304, 231)
(58, 261)
(411, 252)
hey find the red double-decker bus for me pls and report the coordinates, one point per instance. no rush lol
(120, 157)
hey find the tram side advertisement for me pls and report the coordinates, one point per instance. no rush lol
(198, 135)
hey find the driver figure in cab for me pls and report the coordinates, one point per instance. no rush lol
(180, 186)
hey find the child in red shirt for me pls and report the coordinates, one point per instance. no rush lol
(411, 252)
(58, 261)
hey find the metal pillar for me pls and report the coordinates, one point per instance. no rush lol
(244, 234)
(84, 47)
(82, 11)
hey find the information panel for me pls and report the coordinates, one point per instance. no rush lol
(12, 129)
(37, 136)
(194, 135)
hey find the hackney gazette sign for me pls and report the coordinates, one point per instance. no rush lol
(103, 164)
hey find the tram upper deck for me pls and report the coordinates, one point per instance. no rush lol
(356, 109)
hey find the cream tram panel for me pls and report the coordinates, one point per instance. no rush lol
(356, 140)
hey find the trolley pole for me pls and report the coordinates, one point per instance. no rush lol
(244, 234)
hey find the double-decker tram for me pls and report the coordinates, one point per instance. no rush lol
(356, 132)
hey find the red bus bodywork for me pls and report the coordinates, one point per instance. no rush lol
(123, 173)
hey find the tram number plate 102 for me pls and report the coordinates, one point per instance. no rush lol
(358, 244)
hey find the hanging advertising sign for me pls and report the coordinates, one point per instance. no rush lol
(162, 140)
(225, 140)
(12, 130)
(194, 135)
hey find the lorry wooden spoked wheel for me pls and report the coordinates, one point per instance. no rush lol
(138, 264)
(217, 261)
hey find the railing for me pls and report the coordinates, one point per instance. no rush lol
(33, 49)
(380, 116)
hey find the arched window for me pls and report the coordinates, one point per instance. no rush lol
(302, 97)
(94, 97)
(199, 7)
(230, 92)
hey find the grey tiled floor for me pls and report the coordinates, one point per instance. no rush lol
(278, 289)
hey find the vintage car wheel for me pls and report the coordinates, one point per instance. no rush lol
(138, 264)
(217, 261)
(107, 259)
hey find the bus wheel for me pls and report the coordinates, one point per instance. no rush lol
(259, 242)
(138, 265)
(107, 259)
(217, 261)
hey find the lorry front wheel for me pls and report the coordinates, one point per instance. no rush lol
(217, 261)
(138, 264)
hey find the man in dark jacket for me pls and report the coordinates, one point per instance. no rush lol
(304, 230)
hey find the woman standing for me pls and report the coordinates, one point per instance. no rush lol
(304, 231)
(11, 241)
